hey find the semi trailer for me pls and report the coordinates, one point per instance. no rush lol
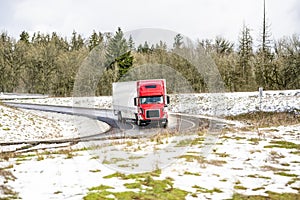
(144, 101)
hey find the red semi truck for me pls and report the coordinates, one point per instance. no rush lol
(144, 101)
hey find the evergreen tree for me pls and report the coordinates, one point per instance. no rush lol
(264, 59)
(95, 40)
(76, 41)
(131, 43)
(178, 41)
(245, 52)
(223, 46)
(118, 54)
(24, 37)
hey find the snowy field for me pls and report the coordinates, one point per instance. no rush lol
(246, 159)
(201, 104)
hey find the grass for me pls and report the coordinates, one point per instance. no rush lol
(100, 187)
(216, 162)
(113, 160)
(295, 152)
(155, 173)
(258, 176)
(254, 141)
(95, 170)
(222, 155)
(201, 160)
(184, 143)
(204, 190)
(192, 158)
(6, 129)
(135, 157)
(147, 188)
(191, 173)
(286, 174)
(258, 188)
(283, 144)
(292, 181)
(271, 196)
(6, 191)
(267, 119)
(239, 187)
(274, 169)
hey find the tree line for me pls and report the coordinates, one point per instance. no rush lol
(48, 63)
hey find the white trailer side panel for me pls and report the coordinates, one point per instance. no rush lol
(123, 98)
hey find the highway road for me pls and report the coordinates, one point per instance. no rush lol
(180, 124)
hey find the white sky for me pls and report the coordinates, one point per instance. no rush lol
(196, 19)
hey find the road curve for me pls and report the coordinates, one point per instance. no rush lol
(118, 130)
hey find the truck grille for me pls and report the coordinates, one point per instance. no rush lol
(152, 114)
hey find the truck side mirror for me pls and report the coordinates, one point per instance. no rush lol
(168, 100)
(135, 101)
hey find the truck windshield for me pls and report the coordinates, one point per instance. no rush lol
(151, 100)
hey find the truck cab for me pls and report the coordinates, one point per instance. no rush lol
(151, 102)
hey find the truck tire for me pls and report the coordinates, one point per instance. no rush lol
(120, 119)
(165, 125)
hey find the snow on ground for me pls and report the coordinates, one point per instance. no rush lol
(201, 104)
(25, 125)
(249, 162)
(22, 125)
(235, 103)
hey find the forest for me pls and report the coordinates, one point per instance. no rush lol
(48, 63)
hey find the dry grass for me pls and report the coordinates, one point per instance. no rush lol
(267, 119)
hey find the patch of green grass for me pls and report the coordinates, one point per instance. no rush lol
(286, 174)
(101, 187)
(296, 188)
(204, 190)
(258, 188)
(239, 187)
(271, 196)
(258, 176)
(95, 157)
(135, 185)
(292, 181)
(6, 129)
(155, 173)
(285, 164)
(254, 140)
(98, 195)
(295, 152)
(184, 143)
(223, 155)
(192, 158)
(191, 173)
(40, 157)
(95, 170)
(135, 157)
(198, 140)
(295, 161)
(239, 138)
(224, 180)
(148, 188)
(283, 144)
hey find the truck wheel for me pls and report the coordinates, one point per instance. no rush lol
(120, 119)
(165, 124)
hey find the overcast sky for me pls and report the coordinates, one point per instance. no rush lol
(196, 19)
